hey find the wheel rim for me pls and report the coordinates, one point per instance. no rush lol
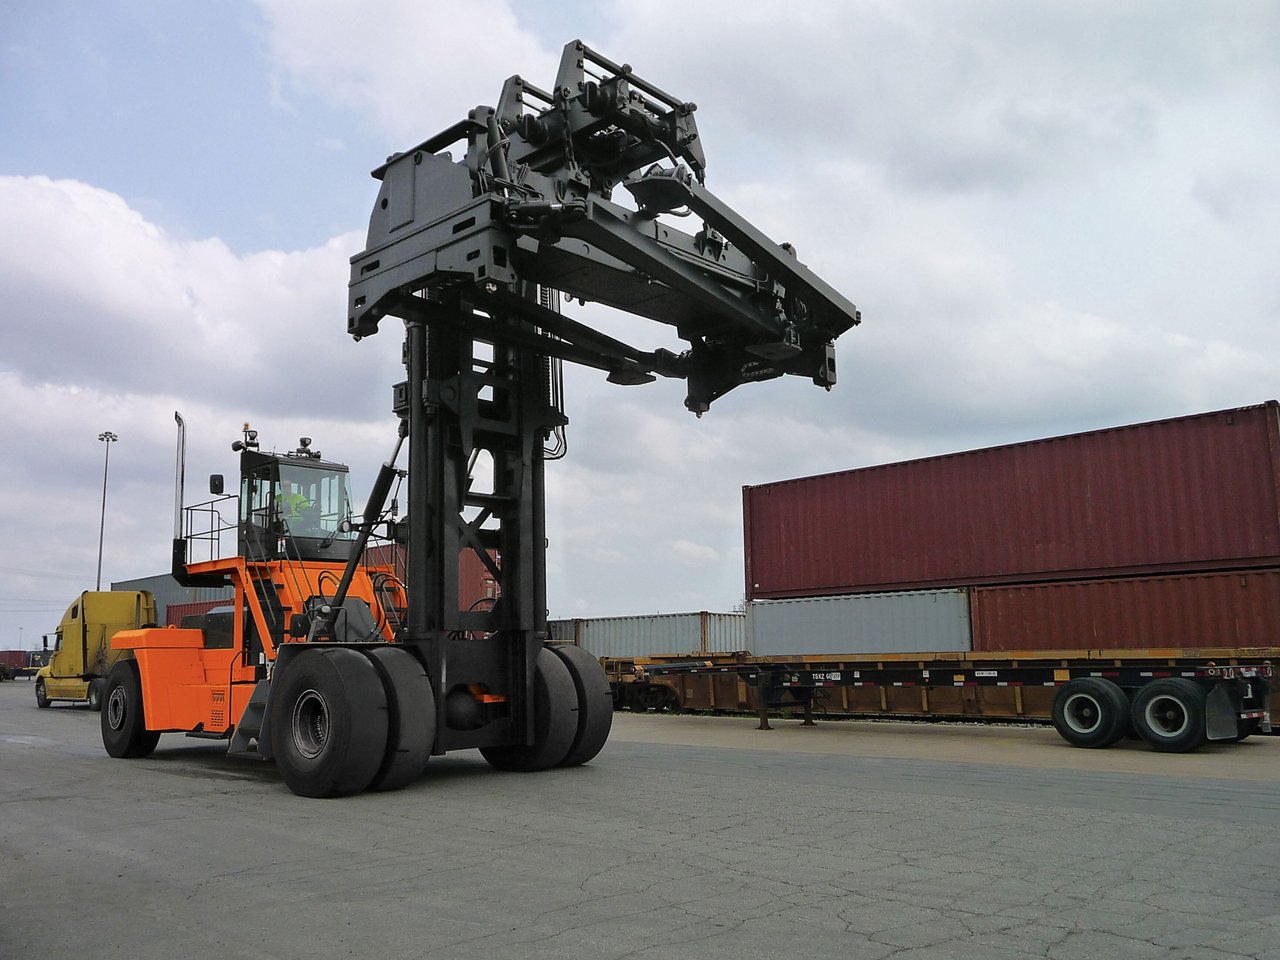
(1082, 713)
(310, 724)
(116, 709)
(1166, 716)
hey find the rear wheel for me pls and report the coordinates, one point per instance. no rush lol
(411, 718)
(1170, 714)
(1091, 712)
(124, 723)
(555, 720)
(95, 694)
(42, 698)
(595, 703)
(329, 723)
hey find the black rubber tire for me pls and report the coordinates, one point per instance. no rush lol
(411, 717)
(1170, 714)
(124, 721)
(42, 699)
(95, 694)
(555, 721)
(595, 703)
(1091, 712)
(329, 723)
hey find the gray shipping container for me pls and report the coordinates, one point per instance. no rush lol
(650, 634)
(167, 590)
(914, 622)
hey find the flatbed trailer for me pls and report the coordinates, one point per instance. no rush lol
(1175, 699)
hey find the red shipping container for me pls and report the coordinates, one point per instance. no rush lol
(1189, 494)
(1187, 611)
(174, 613)
(476, 585)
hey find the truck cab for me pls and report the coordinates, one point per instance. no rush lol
(82, 653)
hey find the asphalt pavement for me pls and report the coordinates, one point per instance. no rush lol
(688, 837)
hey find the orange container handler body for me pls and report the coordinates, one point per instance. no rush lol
(190, 685)
(185, 686)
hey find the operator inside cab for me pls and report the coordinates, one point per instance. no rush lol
(293, 506)
(299, 514)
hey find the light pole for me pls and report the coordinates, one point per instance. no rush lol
(108, 438)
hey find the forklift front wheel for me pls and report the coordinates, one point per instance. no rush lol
(411, 708)
(595, 703)
(555, 721)
(329, 723)
(124, 726)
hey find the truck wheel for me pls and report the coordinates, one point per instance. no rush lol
(124, 723)
(95, 694)
(411, 718)
(329, 723)
(1170, 714)
(555, 720)
(1091, 712)
(595, 703)
(42, 699)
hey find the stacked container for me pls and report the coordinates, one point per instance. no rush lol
(654, 634)
(1163, 534)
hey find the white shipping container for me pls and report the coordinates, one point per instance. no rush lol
(912, 622)
(650, 634)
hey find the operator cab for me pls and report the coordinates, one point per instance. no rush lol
(292, 505)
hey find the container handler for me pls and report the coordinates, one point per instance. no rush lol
(82, 654)
(351, 678)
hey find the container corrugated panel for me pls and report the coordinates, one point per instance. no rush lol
(924, 620)
(476, 585)
(1185, 495)
(562, 631)
(650, 634)
(1190, 611)
(175, 613)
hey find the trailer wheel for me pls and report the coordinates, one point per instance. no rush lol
(42, 698)
(411, 718)
(95, 694)
(124, 723)
(1091, 712)
(595, 703)
(1170, 714)
(555, 721)
(329, 723)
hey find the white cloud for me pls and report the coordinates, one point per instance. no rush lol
(690, 554)
(1053, 219)
(417, 65)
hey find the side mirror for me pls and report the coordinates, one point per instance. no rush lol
(215, 484)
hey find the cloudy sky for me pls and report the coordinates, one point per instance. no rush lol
(1054, 217)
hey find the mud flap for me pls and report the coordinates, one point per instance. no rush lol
(1220, 715)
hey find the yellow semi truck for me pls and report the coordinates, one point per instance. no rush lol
(82, 654)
